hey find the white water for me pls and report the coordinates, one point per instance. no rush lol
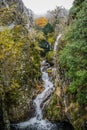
(48, 85)
(56, 42)
(37, 122)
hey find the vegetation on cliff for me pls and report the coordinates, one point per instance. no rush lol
(73, 55)
(21, 48)
(44, 34)
(19, 63)
(71, 79)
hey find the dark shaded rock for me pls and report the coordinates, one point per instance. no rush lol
(64, 126)
(32, 110)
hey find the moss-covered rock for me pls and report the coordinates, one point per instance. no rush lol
(19, 62)
(53, 111)
(50, 57)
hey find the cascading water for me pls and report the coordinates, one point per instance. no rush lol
(56, 42)
(43, 96)
(37, 122)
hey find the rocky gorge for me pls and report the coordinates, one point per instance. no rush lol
(43, 68)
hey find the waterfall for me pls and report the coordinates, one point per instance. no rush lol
(38, 122)
(56, 42)
(48, 85)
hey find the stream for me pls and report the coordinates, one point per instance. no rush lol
(38, 122)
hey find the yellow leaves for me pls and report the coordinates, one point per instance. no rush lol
(8, 46)
(7, 15)
(51, 38)
(40, 36)
(41, 21)
(5, 44)
(13, 86)
(38, 48)
(12, 93)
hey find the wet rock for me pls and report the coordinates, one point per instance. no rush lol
(64, 126)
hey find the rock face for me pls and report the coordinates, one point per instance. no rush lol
(63, 106)
(58, 18)
(71, 110)
(24, 110)
(16, 19)
(16, 13)
(71, 100)
(4, 120)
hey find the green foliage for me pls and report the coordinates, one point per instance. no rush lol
(51, 39)
(48, 29)
(19, 62)
(76, 8)
(50, 57)
(82, 97)
(73, 56)
(78, 2)
(8, 16)
(12, 94)
(40, 36)
(53, 110)
(44, 38)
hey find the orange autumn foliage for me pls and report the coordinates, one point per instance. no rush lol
(41, 21)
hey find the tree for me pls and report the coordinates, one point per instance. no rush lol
(48, 29)
(41, 22)
(73, 56)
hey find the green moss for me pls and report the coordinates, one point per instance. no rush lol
(53, 110)
(50, 57)
(19, 66)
